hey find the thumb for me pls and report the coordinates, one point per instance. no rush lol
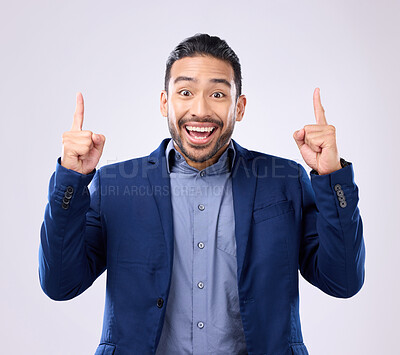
(98, 142)
(299, 137)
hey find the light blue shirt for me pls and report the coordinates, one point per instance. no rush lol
(202, 315)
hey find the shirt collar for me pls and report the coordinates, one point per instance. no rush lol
(176, 162)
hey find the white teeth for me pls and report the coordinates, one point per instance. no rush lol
(199, 129)
(199, 137)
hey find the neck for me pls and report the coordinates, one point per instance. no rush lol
(204, 164)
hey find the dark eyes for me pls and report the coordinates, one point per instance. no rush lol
(185, 92)
(217, 95)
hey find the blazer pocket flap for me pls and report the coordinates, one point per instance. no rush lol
(105, 349)
(272, 211)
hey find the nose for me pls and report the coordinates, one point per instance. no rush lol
(200, 107)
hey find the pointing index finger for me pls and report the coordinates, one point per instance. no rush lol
(78, 115)
(318, 109)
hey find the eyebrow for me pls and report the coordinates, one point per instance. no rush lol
(214, 80)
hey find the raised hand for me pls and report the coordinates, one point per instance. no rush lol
(81, 149)
(317, 142)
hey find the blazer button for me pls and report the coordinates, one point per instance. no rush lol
(343, 204)
(70, 190)
(160, 302)
(337, 187)
(65, 206)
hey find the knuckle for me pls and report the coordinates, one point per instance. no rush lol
(331, 130)
(87, 134)
(65, 139)
(310, 127)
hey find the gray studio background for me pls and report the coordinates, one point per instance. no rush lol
(115, 53)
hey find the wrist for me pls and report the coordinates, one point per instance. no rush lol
(343, 163)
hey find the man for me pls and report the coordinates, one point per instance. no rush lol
(202, 239)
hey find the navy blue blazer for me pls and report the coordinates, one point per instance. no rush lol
(283, 222)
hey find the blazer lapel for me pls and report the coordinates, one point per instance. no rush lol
(158, 176)
(244, 178)
(243, 190)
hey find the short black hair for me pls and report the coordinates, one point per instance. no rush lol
(204, 44)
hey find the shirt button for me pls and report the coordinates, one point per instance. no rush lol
(202, 173)
(201, 207)
(200, 325)
(200, 285)
(200, 245)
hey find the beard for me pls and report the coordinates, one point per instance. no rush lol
(200, 154)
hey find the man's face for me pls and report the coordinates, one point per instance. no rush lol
(201, 107)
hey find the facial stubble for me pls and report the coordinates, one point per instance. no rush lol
(221, 141)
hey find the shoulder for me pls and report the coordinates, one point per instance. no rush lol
(264, 164)
(130, 168)
(136, 167)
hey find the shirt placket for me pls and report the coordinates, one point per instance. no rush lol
(201, 208)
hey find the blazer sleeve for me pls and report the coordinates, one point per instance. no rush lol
(72, 251)
(332, 251)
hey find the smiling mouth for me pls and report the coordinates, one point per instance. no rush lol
(200, 134)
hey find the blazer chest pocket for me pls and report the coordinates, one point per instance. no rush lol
(272, 211)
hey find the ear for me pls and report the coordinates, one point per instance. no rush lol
(240, 107)
(164, 103)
